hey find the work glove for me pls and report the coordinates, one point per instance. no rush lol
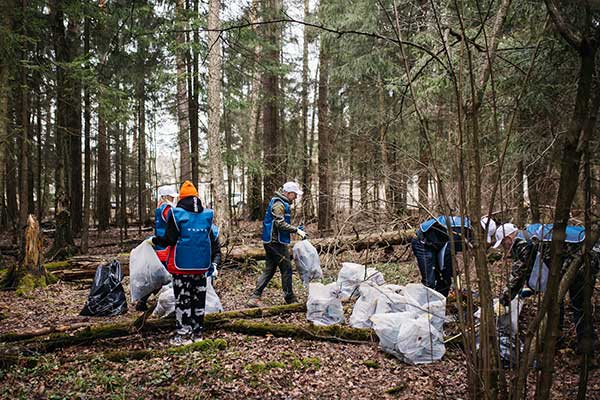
(212, 271)
(149, 241)
(301, 233)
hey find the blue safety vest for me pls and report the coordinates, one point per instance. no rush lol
(193, 249)
(160, 224)
(543, 232)
(267, 233)
(455, 222)
(215, 231)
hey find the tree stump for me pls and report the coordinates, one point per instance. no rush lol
(29, 273)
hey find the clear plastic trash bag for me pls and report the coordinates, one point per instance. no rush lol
(146, 272)
(307, 262)
(165, 305)
(351, 275)
(423, 300)
(409, 336)
(324, 306)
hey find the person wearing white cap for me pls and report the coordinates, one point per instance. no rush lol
(489, 228)
(166, 197)
(276, 237)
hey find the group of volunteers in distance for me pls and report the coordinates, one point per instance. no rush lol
(186, 241)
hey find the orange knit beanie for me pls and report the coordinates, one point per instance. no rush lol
(187, 189)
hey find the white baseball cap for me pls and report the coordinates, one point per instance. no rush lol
(292, 187)
(167, 191)
(491, 227)
(503, 231)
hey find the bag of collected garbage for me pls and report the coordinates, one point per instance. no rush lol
(509, 321)
(324, 306)
(421, 299)
(146, 272)
(390, 299)
(107, 297)
(351, 275)
(365, 306)
(538, 279)
(307, 262)
(165, 305)
(409, 336)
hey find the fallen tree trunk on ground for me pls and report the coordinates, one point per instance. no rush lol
(99, 330)
(83, 267)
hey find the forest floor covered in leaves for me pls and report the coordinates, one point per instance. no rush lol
(239, 365)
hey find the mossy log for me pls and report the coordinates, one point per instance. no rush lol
(83, 267)
(332, 333)
(30, 340)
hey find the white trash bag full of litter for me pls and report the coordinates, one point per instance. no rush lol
(365, 306)
(324, 306)
(351, 275)
(422, 299)
(165, 305)
(307, 262)
(409, 336)
(391, 299)
(146, 272)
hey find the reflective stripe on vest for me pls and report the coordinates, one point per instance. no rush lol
(193, 249)
(268, 222)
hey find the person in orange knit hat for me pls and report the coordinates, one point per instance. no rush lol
(195, 256)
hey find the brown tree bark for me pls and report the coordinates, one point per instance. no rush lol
(103, 188)
(574, 142)
(183, 120)
(87, 118)
(273, 176)
(325, 211)
(221, 208)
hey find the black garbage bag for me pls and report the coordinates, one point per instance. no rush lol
(107, 297)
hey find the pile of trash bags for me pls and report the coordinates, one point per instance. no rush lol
(409, 320)
(165, 305)
(107, 297)
(307, 262)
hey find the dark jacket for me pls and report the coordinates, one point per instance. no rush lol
(191, 204)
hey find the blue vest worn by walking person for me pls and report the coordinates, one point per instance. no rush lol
(268, 222)
(160, 222)
(193, 249)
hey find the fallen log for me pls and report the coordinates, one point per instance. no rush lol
(59, 333)
(331, 333)
(238, 254)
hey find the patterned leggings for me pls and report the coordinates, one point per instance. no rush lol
(190, 300)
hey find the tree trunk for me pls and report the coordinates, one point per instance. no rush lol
(272, 177)
(22, 117)
(87, 117)
(222, 217)
(194, 107)
(306, 200)
(325, 211)
(521, 218)
(29, 273)
(573, 145)
(255, 201)
(73, 93)
(103, 188)
(63, 240)
(182, 96)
